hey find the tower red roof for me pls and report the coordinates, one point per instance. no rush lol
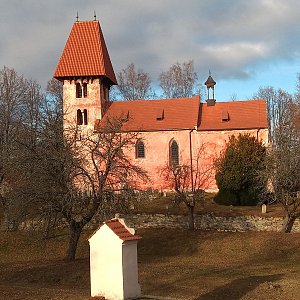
(85, 53)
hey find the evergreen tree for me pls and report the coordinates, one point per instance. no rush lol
(237, 169)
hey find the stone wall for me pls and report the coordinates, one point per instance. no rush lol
(209, 222)
(202, 222)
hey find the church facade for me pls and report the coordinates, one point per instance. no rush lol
(183, 131)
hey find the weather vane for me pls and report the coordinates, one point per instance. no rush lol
(77, 17)
(94, 15)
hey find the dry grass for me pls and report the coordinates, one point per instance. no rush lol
(212, 265)
(172, 263)
(166, 204)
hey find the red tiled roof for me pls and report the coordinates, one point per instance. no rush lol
(85, 53)
(120, 230)
(241, 115)
(186, 113)
(155, 115)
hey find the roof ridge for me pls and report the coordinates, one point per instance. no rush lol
(158, 100)
(237, 101)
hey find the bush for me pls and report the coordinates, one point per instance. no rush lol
(237, 169)
(226, 197)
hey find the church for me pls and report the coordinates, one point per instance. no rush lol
(182, 131)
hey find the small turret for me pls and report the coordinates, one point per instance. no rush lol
(210, 84)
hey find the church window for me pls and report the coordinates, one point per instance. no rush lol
(105, 93)
(78, 90)
(139, 149)
(85, 121)
(79, 117)
(84, 87)
(174, 154)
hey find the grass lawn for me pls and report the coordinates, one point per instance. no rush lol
(172, 263)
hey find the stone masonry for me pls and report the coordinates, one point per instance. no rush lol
(209, 222)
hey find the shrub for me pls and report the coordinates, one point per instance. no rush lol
(237, 169)
(226, 197)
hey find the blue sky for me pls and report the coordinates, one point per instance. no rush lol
(280, 74)
(245, 44)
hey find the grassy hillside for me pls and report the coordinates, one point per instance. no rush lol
(172, 263)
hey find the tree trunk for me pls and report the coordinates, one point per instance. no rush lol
(288, 222)
(191, 217)
(75, 231)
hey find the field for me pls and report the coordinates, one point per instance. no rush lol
(172, 263)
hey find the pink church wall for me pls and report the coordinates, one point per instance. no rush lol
(207, 145)
(157, 155)
(214, 143)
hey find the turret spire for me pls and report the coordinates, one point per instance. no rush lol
(210, 84)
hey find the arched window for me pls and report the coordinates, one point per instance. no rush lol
(139, 149)
(85, 120)
(78, 90)
(84, 87)
(174, 154)
(79, 117)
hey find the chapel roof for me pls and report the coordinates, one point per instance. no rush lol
(154, 115)
(85, 53)
(248, 114)
(120, 230)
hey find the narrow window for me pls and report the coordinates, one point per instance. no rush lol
(78, 90)
(139, 149)
(174, 154)
(79, 117)
(84, 86)
(105, 93)
(85, 121)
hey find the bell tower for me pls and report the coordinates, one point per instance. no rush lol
(87, 75)
(210, 84)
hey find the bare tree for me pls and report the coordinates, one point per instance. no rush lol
(283, 167)
(14, 113)
(278, 102)
(57, 174)
(52, 109)
(233, 97)
(46, 135)
(55, 89)
(190, 181)
(297, 94)
(133, 84)
(283, 161)
(180, 81)
(12, 90)
(76, 173)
